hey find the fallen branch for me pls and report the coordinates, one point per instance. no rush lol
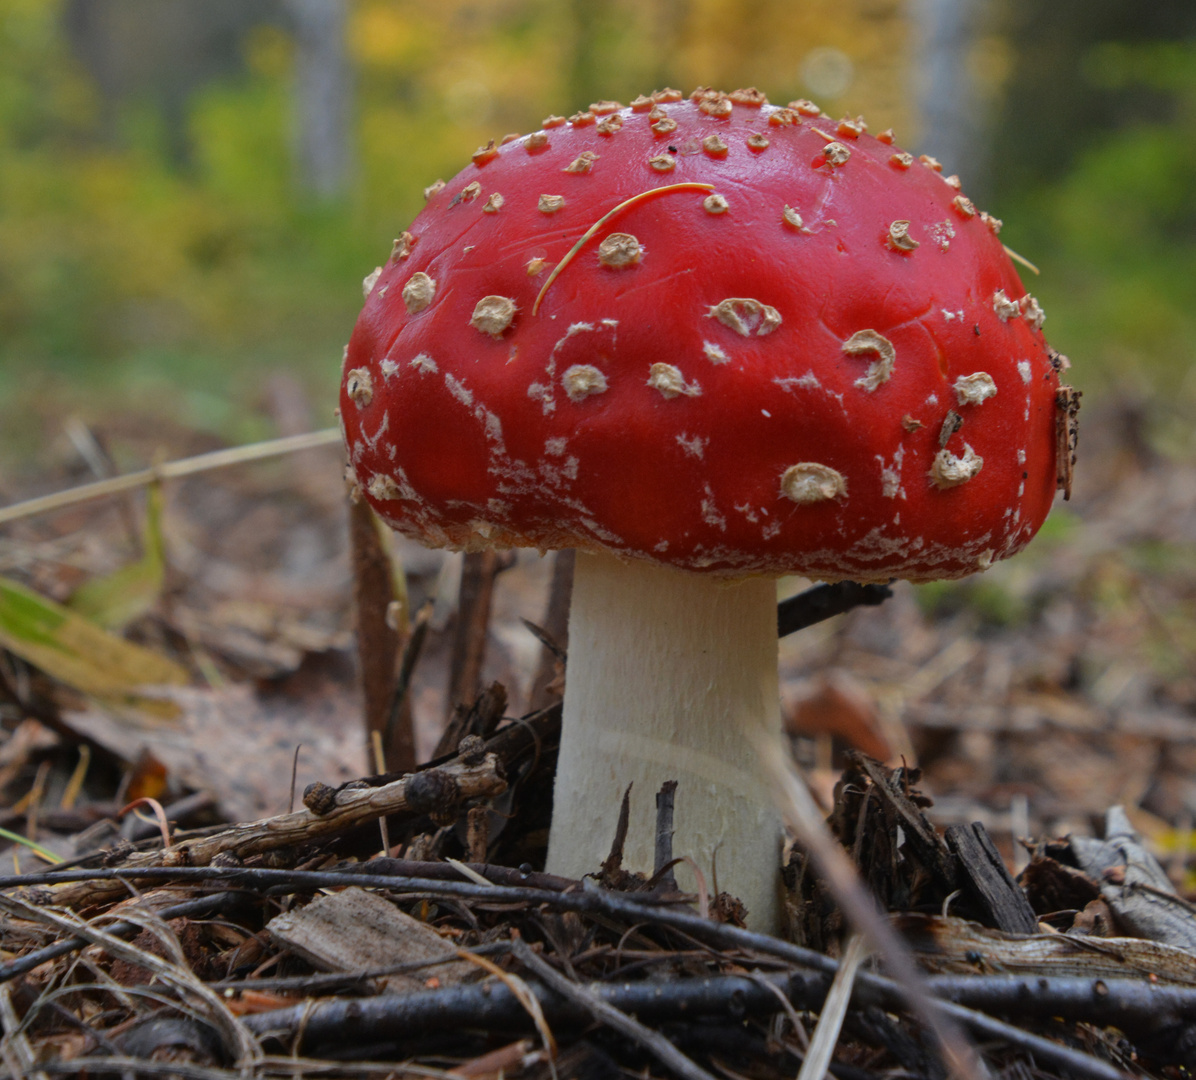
(825, 601)
(487, 1006)
(449, 785)
(613, 1017)
(871, 989)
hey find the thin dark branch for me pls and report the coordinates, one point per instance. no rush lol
(824, 601)
(662, 872)
(1130, 1004)
(616, 1019)
(614, 861)
(487, 1005)
(491, 1006)
(594, 901)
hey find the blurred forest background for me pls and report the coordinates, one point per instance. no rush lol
(191, 193)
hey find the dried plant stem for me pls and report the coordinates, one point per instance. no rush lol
(833, 1012)
(378, 641)
(202, 906)
(175, 976)
(473, 627)
(802, 815)
(15, 1050)
(555, 627)
(524, 996)
(171, 470)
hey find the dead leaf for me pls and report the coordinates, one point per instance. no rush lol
(77, 652)
(836, 705)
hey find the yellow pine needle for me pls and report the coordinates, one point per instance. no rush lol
(1021, 259)
(74, 785)
(641, 197)
(468, 872)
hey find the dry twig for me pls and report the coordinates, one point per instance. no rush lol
(652, 1041)
(427, 1009)
(350, 807)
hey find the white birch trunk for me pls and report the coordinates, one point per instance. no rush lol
(322, 95)
(953, 115)
(665, 670)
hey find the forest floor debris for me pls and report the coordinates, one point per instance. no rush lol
(1031, 699)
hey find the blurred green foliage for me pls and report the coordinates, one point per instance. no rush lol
(1010, 593)
(128, 276)
(124, 279)
(1115, 237)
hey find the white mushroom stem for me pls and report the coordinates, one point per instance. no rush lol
(666, 670)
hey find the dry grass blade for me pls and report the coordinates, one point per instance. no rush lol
(830, 1020)
(175, 976)
(799, 1029)
(801, 814)
(159, 816)
(468, 872)
(217, 459)
(525, 997)
(652, 1041)
(74, 786)
(14, 1046)
(1021, 259)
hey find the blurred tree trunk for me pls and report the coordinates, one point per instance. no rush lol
(160, 50)
(952, 113)
(584, 76)
(323, 89)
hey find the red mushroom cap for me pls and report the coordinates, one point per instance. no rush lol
(823, 362)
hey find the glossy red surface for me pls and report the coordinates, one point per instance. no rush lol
(464, 437)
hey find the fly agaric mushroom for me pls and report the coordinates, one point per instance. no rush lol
(707, 344)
